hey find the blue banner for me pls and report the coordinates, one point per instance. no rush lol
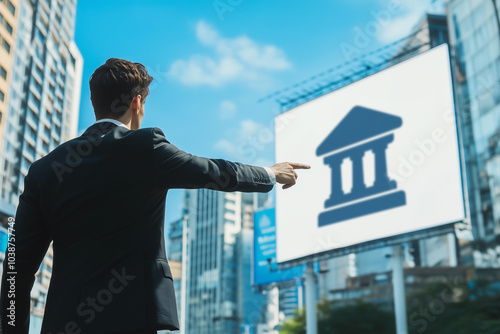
(265, 268)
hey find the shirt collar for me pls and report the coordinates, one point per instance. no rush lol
(114, 121)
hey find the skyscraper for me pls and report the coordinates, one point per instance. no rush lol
(251, 304)
(475, 41)
(40, 82)
(44, 91)
(216, 247)
(175, 247)
(8, 27)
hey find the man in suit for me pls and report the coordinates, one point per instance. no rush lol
(100, 198)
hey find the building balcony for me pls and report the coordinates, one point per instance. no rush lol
(29, 155)
(32, 122)
(56, 137)
(30, 140)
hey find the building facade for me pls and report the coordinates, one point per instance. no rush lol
(44, 91)
(474, 29)
(175, 246)
(9, 10)
(40, 82)
(252, 305)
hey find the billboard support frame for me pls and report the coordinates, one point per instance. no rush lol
(311, 301)
(398, 286)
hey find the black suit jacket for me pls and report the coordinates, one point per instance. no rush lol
(101, 199)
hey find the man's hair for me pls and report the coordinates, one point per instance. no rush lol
(114, 85)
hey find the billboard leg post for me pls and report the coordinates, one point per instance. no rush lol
(398, 285)
(311, 318)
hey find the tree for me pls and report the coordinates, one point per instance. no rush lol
(466, 309)
(438, 308)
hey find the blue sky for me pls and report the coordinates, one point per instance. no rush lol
(214, 60)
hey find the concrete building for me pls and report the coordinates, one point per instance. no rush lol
(9, 10)
(175, 237)
(475, 41)
(252, 305)
(291, 298)
(40, 82)
(44, 91)
(377, 288)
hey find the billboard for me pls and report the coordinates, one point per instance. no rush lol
(384, 160)
(265, 269)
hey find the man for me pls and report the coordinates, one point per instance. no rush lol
(101, 199)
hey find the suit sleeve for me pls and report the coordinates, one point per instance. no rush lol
(178, 169)
(27, 246)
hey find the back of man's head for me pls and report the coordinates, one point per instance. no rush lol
(114, 85)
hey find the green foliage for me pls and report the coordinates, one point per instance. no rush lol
(440, 308)
(296, 325)
(453, 309)
(359, 318)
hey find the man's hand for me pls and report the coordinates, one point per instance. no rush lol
(285, 173)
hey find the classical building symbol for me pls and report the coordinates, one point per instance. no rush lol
(351, 140)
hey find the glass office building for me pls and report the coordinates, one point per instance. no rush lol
(475, 41)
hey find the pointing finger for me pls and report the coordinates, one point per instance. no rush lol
(296, 165)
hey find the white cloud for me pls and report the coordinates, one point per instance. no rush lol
(246, 142)
(410, 13)
(234, 59)
(227, 147)
(248, 128)
(263, 162)
(227, 109)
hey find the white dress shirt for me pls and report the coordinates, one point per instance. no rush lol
(114, 121)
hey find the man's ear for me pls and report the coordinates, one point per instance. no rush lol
(136, 104)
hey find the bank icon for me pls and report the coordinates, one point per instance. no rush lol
(362, 130)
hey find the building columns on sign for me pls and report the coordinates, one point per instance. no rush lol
(359, 189)
(382, 181)
(358, 179)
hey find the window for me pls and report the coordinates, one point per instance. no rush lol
(12, 9)
(2, 96)
(8, 27)
(30, 149)
(45, 146)
(6, 45)
(4, 22)
(53, 74)
(3, 72)
(46, 131)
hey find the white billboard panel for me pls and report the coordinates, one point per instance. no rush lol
(384, 157)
